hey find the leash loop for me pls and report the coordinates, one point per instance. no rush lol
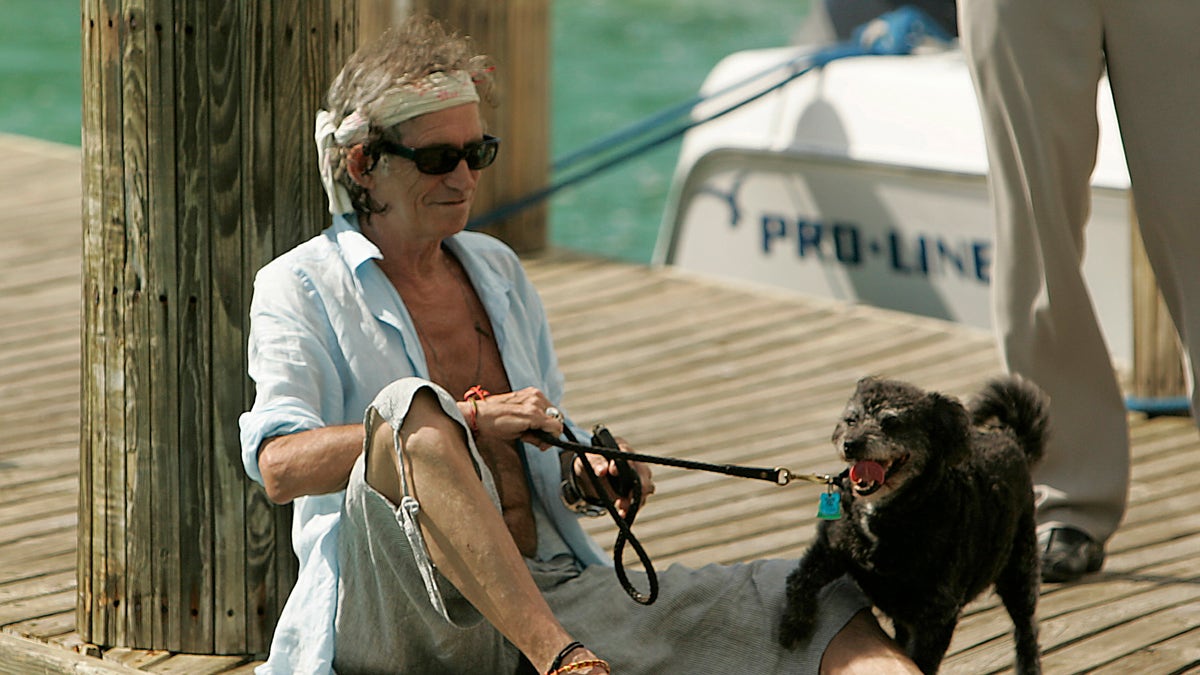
(604, 444)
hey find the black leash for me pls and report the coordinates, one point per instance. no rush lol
(628, 482)
(778, 475)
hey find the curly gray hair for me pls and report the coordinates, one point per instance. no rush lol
(403, 55)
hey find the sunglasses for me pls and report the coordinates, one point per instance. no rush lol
(441, 159)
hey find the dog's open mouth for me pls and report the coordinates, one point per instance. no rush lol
(869, 476)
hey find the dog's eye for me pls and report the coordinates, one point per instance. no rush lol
(889, 420)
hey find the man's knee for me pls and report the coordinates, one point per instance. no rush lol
(427, 435)
(428, 432)
(433, 443)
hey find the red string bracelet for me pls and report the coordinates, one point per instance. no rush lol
(475, 395)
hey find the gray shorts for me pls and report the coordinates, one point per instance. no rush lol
(397, 614)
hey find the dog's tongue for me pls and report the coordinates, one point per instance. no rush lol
(867, 472)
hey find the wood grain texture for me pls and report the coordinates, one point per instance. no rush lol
(183, 101)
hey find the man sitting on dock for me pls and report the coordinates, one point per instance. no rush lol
(435, 536)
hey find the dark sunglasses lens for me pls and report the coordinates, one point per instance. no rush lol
(444, 159)
(481, 155)
(436, 160)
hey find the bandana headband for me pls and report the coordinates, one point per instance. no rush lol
(436, 91)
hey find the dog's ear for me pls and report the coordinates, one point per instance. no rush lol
(949, 428)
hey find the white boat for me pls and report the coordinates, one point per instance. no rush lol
(865, 181)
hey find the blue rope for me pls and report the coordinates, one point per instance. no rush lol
(1159, 406)
(513, 207)
(658, 119)
(905, 28)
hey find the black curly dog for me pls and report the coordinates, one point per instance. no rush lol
(937, 506)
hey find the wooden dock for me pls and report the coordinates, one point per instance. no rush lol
(678, 366)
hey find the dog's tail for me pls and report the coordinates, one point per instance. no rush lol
(1016, 403)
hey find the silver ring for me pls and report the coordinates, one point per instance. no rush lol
(553, 412)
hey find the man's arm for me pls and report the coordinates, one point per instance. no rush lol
(313, 462)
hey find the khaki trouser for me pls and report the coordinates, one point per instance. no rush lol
(1036, 64)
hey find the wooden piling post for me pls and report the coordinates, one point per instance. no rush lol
(197, 170)
(515, 33)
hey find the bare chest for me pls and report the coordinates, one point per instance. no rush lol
(458, 342)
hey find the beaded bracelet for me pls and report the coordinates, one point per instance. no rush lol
(582, 665)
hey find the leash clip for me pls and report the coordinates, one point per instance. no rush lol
(822, 478)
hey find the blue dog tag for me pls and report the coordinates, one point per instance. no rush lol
(831, 506)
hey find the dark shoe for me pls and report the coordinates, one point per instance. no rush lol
(1068, 553)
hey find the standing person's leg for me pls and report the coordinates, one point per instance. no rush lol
(1036, 66)
(1153, 58)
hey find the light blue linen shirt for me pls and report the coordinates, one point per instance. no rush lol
(328, 331)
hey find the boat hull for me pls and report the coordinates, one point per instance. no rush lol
(771, 195)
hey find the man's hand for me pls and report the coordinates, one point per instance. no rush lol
(513, 415)
(609, 473)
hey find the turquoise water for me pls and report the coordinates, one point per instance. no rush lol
(618, 61)
(40, 69)
(614, 62)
